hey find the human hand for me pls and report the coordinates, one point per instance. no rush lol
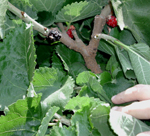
(140, 109)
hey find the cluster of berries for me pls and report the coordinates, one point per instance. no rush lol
(69, 31)
(112, 21)
(54, 36)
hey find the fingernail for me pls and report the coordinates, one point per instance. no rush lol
(115, 108)
(112, 99)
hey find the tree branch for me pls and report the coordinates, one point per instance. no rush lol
(99, 22)
(88, 52)
(76, 44)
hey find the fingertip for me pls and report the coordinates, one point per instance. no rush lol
(147, 133)
(114, 108)
(113, 98)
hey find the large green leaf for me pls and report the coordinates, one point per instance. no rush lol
(99, 117)
(17, 63)
(126, 125)
(134, 15)
(3, 8)
(141, 67)
(24, 117)
(47, 5)
(142, 49)
(56, 88)
(77, 11)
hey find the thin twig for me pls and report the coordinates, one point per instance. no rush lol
(76, 36)
(62, 119)
(52, 124)
(60, 25)
(21, 14)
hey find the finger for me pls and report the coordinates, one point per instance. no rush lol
(138, 92)
(147, 133)
(140, 110)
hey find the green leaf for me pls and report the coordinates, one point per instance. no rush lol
(104, 77)
(63, 131)
(57, 63)
(22, 118)
(104, 46)
(45, 18)
(134, 16)
(99, 118)
(126, 125)
(113, 65)
(78, 102)
(31, 92)
(88, 78)
(11, 24)
(78, 11)
(56, 88)
(24, 2)
(81, 120)
(3, 9)
(84, 77)
(44, 124)
(100, 3)
(117, 85)
(125, 63)
(47, 5)
(88, 92)
(141, 67)
(17, 63)
(73, 61)
(125, 36)
(142, 49)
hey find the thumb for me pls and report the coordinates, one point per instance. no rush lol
(147, 133)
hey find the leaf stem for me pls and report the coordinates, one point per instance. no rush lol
(112, 40)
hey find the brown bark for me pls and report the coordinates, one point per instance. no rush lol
(92, 64)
